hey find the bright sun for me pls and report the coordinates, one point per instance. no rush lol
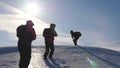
(33, 8)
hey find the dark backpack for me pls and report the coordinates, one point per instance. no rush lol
(46, 32)
(21, 31)
(78, 34)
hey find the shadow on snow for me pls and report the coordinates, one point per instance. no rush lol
(51, 63)
(109, 54)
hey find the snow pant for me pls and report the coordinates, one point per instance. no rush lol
(49, 47)
(75, 41)
(25, 54)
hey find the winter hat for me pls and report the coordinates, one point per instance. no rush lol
(52, 25)
(71, 31)
(29, 23)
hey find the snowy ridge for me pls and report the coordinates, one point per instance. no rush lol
(104, 55)
(64, 57)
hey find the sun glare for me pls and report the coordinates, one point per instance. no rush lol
(32, 8)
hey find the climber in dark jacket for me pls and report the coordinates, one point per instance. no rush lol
(49, 34)
(75, 36)
(24, 43)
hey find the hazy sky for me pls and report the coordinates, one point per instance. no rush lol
(97, 20)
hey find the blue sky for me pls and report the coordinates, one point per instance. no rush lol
(97, 20)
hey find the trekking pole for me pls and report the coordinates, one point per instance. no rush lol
(58, 35)
(63, 36)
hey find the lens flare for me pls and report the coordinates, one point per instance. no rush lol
(92, 63)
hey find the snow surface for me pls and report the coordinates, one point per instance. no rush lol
(64, 57)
